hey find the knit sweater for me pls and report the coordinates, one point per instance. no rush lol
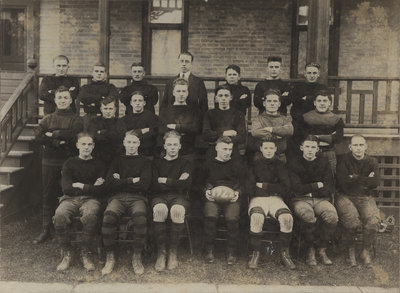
(360, 183)
(281, 129)
(172, 170)
(129, 167)
(218, 173)
(263, 86)
(150, 95)
(93, 93)
(48, 87)
(83, 171)
(237, 103)
(305, 174)
(64, 125)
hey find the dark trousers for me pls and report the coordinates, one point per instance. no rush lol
(51, 176)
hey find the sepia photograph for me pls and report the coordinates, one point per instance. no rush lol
(215, 146)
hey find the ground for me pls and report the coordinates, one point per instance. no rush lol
(23, 261)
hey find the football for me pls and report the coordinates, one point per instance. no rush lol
(222, 193)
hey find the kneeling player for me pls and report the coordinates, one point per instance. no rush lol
(270, 183)
(128, 178)
(82, 183)
(171, 183)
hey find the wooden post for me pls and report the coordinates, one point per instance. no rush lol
(104, 44)
(318, 35)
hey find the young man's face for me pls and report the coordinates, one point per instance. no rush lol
(180, 93)
(137, 73)
(172, 145)
(108, 111)
(232, 76)
(223, 98)
(268, 149)
(272, 104)
(274, 69)
(85, 145)
(312, 74)
(99, 73)
(309, 149)
(185, 63)
(322, 103)
(63, 100)
(358, 147)
(61, 67)
(131, 144)
(137, 103)
(224, 151)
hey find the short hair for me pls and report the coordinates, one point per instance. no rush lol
(180, 81)
(223, 87)
(309, 138)
(312, 64)
(132, 133)
(224, 139)
(186, 53)
(271, 138)
(61, 88)
(233, 67)
(140, 93)
(84, 134)
(61, 57)
(137, 64)
(107, 100)
(172, 134)
(275, 92)
(358, 136)
(100, 64)
(274, 59)
(323, 93)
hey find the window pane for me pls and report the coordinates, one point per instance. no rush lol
(166, 46)
(166, 11)
(13, 25)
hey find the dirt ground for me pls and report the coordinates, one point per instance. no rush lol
(22, 261)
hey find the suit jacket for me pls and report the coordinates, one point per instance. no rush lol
(197, 94)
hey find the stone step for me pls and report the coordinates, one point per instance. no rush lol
(29, 129)
(17, 158)
(10, 175)
(23, 143)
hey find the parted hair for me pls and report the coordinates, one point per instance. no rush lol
(223, 87)
(109, 99)
(61, 57)
(186, 53)
(132, 133)
(84, 134)
(309, 138)
(180, 81)
(274, 59)
(140, 93)
(224, 139)
(172, 134)
(274, 92)
(137, 64)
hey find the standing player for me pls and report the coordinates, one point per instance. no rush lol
(357, 177)
(241, 96)
(128, 178)
(49, 84)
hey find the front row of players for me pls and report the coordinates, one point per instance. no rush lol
(134, 181)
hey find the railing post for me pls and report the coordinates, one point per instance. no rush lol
(33, 94)
(348, 101)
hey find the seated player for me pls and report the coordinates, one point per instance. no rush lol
(128, 179)
(224, 121)
(149, 91)
(91, 94)
(108, 131)
(56, 132)
(83, 185)
(357, 177)
(270, 185)
(170, 184)
(222, 191)
(143, 122)
(49, 84)
(270, 124)
(312, 185)
(273, 81)
(241, 96)
(326, 126)
(182, 118)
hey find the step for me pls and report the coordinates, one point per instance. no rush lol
(29, 129)
(17, 158)
(10, 175)
(23, 143)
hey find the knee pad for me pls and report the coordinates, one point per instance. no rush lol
(330, 218)
(178, 214)
(256, 222)
(160, 212)
(90, 220)
(110, 218)
(307, 217)
(258, 210)
(285, 222)
(61, 222)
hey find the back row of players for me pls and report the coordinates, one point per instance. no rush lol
(143, 158)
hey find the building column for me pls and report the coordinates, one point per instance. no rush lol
(104, 43)
(318, 35)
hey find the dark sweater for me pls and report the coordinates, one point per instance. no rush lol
(273, 175)
(361, 184)
(263, 86)
(216, 121)
(65, 125)
(129, 167)
(93, 93)
(187, 120)
(83, 171)
(305, 174)
(137, 122)
(301, 90)
(172, 170)
(218, 173)
(150, 95)
(108, 137)
(51, 83)
(237, 91)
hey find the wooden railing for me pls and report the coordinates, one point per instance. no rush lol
(17, 111)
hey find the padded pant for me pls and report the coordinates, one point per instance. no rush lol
(160, 213)
(177, 214)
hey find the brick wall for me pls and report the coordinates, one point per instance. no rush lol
(240, 32)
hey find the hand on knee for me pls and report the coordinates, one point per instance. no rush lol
(178, 214)
(256, 222)
(160, 212)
